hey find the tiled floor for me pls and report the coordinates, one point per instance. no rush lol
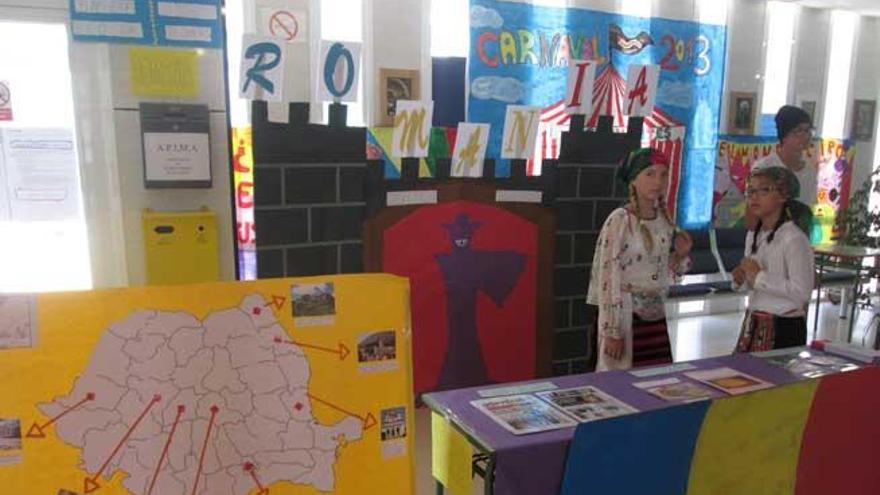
(692, 338)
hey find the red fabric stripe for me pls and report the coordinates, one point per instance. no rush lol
(841, 442)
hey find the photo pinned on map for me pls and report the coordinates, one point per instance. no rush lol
(377, 351)
(313, 304)
(18, 322)
(393, 432)
(10, 441)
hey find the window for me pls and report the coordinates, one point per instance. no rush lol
(641, 8)
(346, 27)
(777, 63)
(712, 11)
(450, 37)
(42, 225)
(843, 28)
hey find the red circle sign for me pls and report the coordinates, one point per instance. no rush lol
(284, 25)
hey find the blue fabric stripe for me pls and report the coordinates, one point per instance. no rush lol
(638, 454)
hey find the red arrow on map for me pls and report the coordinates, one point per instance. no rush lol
(91, 484)
(38, 431)
(249, 468)
(369, 420)
(214, 411)
(277, 301)
(180, 411)
(342, 350)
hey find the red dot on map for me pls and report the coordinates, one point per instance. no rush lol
(257, 311)
(248, 466)
(298, 406)
(90, 396)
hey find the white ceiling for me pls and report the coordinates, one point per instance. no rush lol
(864, 7)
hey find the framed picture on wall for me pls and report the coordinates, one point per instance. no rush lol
(394, 85)
(809, 106)
(741, 113)
(863, 119)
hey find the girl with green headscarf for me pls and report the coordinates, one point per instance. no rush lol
(638, 255)
(777, 270)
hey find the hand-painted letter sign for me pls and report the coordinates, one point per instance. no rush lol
(412, 129)
(470, 150)
(641, 90)
(520, 131)
(579, 95)
(338, 73)
(262, 68)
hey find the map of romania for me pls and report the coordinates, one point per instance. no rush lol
(184, 406)
(287, 386)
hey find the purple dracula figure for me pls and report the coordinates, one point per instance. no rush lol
(466, 272)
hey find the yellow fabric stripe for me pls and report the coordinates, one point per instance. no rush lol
(751, 443)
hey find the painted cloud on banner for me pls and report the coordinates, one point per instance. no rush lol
(506, 89)
(676, 94)
(482, 17)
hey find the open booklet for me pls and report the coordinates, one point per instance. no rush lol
(586, 403)
(729, 380)
(676, 390)
(551, 410)
(522, 414)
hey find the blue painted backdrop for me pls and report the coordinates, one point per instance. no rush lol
(518, 56)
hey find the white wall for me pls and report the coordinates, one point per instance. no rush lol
(129, 162)
(398, 33)
(745, 51)
(811, 58)
(866, 86)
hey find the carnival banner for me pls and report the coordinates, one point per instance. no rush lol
(520, 53)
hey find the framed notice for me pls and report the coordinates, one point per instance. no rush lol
(177, 146)
(863, 119)
(395, 85)
(741, 113)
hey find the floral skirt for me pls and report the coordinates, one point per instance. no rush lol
(764, 331)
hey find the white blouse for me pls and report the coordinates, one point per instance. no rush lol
(628, 278)
(785, 283)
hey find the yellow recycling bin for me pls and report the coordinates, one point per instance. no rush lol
(181, 247)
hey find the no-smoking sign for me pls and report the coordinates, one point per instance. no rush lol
(5, 101)
(289, 25)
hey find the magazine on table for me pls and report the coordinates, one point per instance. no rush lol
(807, 363)
(676, 390)
(729, 380)
(586, 403)
(522, 414)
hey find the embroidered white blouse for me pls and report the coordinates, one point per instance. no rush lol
(628, 278)
(785, 283)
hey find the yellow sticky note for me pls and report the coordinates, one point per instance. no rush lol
(451, 456)
(163, 72)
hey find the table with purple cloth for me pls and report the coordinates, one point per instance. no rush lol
(533, 464)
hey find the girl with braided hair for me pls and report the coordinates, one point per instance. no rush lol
(778, 268)
(638, 255)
